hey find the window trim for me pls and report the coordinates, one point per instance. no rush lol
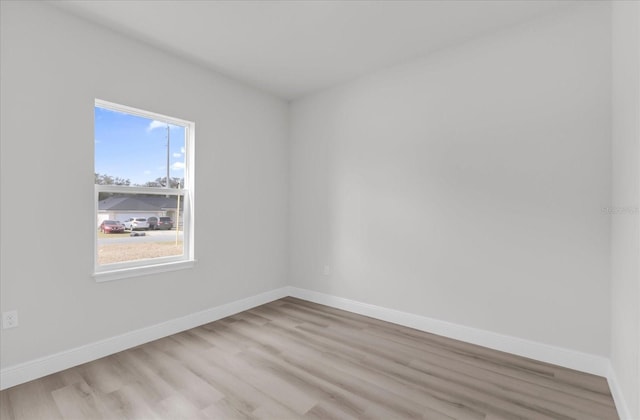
(135, 268)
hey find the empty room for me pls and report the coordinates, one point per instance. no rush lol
(320, 209)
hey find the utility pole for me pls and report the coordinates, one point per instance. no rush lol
(168, 147)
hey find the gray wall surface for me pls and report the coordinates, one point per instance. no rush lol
(625, 243)
(53, 67)
(467, 186)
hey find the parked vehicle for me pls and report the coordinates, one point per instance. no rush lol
(111, 226)
(136, 223)
(165, 223)
(153, 222)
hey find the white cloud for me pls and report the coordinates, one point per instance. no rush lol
(177, 155)
(182, 150)
(156, 124)
(177, 166)
(147, 172)
(159, 124)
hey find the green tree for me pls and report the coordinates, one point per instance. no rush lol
(104, 179)
(161, 182)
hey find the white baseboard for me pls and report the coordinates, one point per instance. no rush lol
(24, 372)
(597, 365)
(618, 397)
(572, 359)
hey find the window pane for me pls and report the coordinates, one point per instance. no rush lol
(137, 151)
(144, 183)
(133, 227)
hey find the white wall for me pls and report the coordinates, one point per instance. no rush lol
(625, 244)
(53, 66)
(467, 186)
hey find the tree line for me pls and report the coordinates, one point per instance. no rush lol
(104, 179)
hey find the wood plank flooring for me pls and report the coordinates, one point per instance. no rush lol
(293, 359)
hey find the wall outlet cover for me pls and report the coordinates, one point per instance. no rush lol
(9, 319)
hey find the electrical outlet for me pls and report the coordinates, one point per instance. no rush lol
(9, 319)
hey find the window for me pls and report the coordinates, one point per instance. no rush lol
(143, 192)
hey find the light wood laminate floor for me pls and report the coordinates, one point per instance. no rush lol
(294, 359)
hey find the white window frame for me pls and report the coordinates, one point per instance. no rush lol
(106, 272)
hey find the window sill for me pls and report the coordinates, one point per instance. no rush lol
(143, 271)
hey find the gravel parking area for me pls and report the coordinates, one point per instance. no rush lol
(121, 252)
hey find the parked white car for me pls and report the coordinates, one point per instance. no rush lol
(136, 223)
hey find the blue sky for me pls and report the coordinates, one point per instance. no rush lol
(128, 146)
